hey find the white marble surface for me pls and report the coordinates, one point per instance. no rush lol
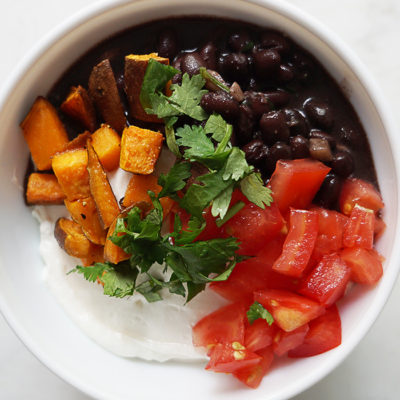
(372, 29)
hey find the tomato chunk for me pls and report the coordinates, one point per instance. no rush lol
(259, 335)
(359, 230)
(299, 243)
(365, 265)
(327, 281)
(357, 191)
(225, 325)
(324, 334)
(290, 311)
(231, 357)
(295, 183)
(252, 376)
(285, 341)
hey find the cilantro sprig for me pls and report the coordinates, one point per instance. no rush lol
(257, 311)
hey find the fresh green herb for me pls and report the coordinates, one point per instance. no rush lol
(171, 140)
(216, 126)
(257, 311)
(174, 180)
(253, 188)
(208, 77)
(230, 213)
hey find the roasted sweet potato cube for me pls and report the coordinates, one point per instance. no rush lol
(70, 238)
(84, 212)
(44, 133)
(78, 105)
(100, 188)
(104, 93)
(140, 149)
(96, 255)
(113, 253)
(44, 189)
(79, 142)
(107, 145)
(70, 168)
(135, 68)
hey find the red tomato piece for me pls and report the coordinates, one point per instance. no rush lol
(231, 357)
(327, 281)
(357, 191)
(285, 341)
(259, 335)
(290, 311)
(295, 183)
(324, 334)
(365, 265)
(359, 230)
(225, 325)
(379, 228)
(299, 243)
(254, 227)
(252, 376)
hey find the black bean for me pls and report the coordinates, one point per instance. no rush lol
(209, 55)
(279, 98)
(256, 152)
(273, 127)
(258, 102)
(279, 151)
(342, 164)
(285, 73)
(253, 85)
(177, 62)
(245, 124)
(240, 41)
(191, 63)
(222, 103)
(296, 122)
(210, 85)
(316, 134)
(167, 45)
(276, 41)
(266, 62)
(299, 147)
(303, 67)
(234, 66)
(329, 191)
(349, 136)
(319, 112)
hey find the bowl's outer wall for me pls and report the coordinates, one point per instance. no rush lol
(29, 306)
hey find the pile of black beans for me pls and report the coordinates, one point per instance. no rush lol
(264, 74)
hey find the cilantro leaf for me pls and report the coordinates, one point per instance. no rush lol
(92, 272)
(195, 227)
(197, 143)
(257, 311)
(120, 280)
(217, 126)
(253, 188)
(174, 180)
(221, 203)
(236, 166)
(149, 289)
(170, 137)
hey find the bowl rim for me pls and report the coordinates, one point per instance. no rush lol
(340, 48)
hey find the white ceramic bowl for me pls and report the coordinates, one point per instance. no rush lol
(31, 309)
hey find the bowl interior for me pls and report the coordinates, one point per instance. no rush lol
(30, 307)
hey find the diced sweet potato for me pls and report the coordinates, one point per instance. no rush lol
(78, 105)
(44, 133)
(44, 189)
(70, 168)
(135, 68)
(70, 238)
(104, 93)
(140, 149)
(96, 255)
(84, 212)
(107, 145)
(113, 253)
(79, 142)
(100, 188)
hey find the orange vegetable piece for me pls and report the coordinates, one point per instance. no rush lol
(70, 168)
(79, 142)
(107, 145)
(100, 188)
(79, 106)
(44, 133)
(113, 253)
(140, 149)
(84, 212)
(44, 189)
(135, 68)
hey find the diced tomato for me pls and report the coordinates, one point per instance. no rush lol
(225, 325)
(365, 265)
(357, 191)
(294, 183)
(254, 227)
(289, 310)
(259, 335)
(252, 376)
(285, 341)
(299, 243)
(327, 281)
(379, 228)
(231, 357)
(359, 230)
(324, 334)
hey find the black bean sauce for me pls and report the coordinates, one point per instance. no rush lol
(288, 107)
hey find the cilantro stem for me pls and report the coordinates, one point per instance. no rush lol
(222, 145)
(230, 213)
(208, 77)
(171, 142)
